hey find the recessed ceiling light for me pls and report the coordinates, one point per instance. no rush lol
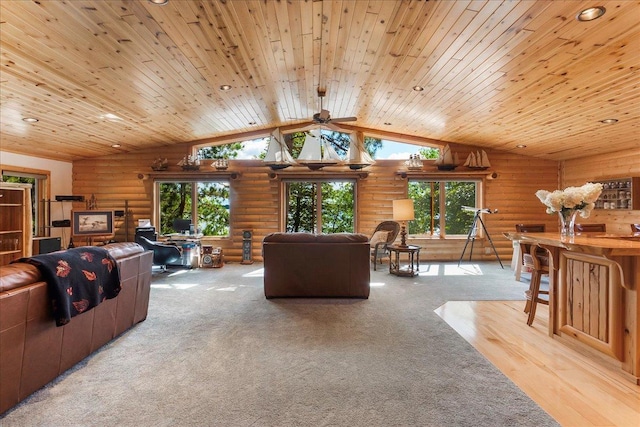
(418, 88)
(609, 121)
(30, 120)
(591, 13)
(110, 117)
(225, 87)
(521, 146)
(387, 123)
(159, 2)
(116, 145)
(252, 123)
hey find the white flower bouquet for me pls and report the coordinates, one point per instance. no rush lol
(581, 199)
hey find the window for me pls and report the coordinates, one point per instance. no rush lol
(325, 205)
(438, 207)
(205, 204)
(389, 149)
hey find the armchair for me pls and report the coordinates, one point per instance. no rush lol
(163, 253)
(384, 235)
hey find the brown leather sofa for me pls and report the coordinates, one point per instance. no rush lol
(34, 351)
(316, 265)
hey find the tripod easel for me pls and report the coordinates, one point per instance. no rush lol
(472, 236)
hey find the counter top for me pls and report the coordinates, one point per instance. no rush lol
(591, 243)
(594, 297)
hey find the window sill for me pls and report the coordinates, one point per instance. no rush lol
(439, 237)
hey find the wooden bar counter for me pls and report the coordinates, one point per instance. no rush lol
(594, 299)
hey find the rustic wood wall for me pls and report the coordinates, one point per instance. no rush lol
(255, 195)
(623, 164)
(118, 179)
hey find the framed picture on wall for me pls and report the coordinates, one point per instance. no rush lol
(91, 223)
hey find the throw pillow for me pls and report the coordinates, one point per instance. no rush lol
(378, 236)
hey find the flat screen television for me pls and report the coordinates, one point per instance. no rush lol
(180, 225)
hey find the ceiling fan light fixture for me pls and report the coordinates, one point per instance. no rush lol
(590, 14)
(609, 121)
(323, 117)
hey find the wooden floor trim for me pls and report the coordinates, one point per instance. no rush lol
(569, 385)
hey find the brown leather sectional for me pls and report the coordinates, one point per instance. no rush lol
(34, 351)
(316, 265)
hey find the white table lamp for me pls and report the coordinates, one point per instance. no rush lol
(403, 212)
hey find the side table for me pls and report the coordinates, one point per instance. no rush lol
(412, 268)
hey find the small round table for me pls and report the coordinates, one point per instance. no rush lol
(409, 270)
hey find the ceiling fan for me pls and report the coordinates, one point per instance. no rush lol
(324, 117)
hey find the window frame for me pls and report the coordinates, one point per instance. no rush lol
(157, 214)
(317, 181)
(441, 184)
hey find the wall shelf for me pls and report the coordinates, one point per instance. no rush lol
(15, 221)
(190, 175)
(323, 173)
(619, 194)
(438, 174)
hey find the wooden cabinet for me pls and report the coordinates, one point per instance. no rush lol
(620, 194)
(590, 306)
(595, 298)
(15, 221)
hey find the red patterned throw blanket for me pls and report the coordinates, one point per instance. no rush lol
(78, 279)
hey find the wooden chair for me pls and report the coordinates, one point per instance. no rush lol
(635, 228)
(517, 253)
(590, 228)
(379, 246)
(539, 265)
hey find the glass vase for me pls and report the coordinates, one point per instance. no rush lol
(567, 222)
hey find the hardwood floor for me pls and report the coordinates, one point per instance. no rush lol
(573, 388)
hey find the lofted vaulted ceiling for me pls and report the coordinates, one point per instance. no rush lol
(494, 73)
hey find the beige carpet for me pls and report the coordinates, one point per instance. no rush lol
(215, 352)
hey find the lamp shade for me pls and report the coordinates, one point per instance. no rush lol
(403, 210)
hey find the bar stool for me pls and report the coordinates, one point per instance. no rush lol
(539, 265)
(517, 253)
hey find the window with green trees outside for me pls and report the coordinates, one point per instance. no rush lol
(438, 207)
(205, 203)
(320, 206)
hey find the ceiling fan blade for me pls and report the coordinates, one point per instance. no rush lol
(344, 119)
(299, 127)
(335, 128)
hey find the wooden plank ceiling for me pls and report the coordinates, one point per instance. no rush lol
(494, 73)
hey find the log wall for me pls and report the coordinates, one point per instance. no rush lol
(255, 196)
(623, 164)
